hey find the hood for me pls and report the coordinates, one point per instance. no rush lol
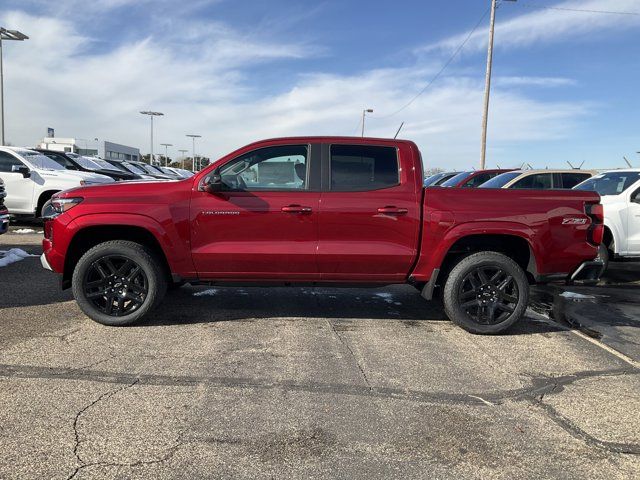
(75, 174)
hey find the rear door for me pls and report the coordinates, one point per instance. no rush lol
(19, 189)
(633, 222)
(264, 225)
(369, 213)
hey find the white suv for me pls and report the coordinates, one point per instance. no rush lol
(31, 179)
(620, 197)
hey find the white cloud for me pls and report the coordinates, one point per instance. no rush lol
(538, 26)
(208, 85)
(532, 81)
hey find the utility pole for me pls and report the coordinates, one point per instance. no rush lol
(6, 35)
(183, 155)
(193, 137)
(166, 153)
(151, 115)
(487, 86)
(364, 112)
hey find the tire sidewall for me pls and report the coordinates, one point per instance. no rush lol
(457, 276)
(136, 253)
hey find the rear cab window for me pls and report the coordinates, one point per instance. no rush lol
(537, 181)
(356, 168)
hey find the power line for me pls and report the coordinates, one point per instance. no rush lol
(582, 10)
(444, 67)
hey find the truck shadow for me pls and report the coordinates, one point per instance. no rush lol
(190, 305)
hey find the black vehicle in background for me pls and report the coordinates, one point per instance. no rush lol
(68, 161)
(137, 168)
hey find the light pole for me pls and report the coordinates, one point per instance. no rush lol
(151, 115)
(166, 153)
(364, 112)
(193, 137)
(487, 83)
(6, 35)
(183, 155)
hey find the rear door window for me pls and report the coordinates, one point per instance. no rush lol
(355, 168)
(570, 180)
(537, 181)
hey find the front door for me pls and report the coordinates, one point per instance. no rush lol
(369, 214)
(19, 189)
(263, 225)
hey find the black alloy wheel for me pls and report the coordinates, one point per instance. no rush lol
(115, 285)
(488, 295)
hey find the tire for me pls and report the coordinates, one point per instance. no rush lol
(603, 255)
(486, 293)
(117, 283)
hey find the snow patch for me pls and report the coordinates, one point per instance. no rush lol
(387, 297)
(206, 293)
(12, 256)
(25, 230)
(577, 296)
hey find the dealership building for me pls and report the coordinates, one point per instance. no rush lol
(103, 149)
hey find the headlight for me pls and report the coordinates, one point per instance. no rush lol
(61, 205)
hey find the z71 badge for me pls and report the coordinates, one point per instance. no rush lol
(574, 221)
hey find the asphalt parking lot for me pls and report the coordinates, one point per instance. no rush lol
(315, 383)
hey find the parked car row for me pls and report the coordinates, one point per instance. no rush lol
(30, 177)
(520, 179)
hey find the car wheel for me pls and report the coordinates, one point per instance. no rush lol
(118, 282)
(486, 293)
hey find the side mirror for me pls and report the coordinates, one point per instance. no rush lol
(212, 183)
(23, 169)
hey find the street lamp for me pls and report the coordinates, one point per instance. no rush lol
(151, 115)
(166, 153)
(6, 35)
(183, 155)
(364, 112)
(193, 137)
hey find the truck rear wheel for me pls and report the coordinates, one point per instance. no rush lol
(486, 293)
(118, 282)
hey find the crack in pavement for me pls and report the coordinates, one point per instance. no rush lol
(534, 394)
(539, 385)
(353, 355)
(104, 396)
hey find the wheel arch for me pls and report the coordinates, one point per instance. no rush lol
(90, 236)
(42, 199)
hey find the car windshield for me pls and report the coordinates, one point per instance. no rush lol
(104, 164)
(433, 179)
(135, 168)
(87, 162)
(501, 180)
(453, 181)
(612, 183)
(39, 160)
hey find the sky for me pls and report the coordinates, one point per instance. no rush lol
(565, 82)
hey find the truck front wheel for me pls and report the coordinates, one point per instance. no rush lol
(118, 282)
(486, 293)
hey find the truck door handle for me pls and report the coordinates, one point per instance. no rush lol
(391, 210)
(296, 209)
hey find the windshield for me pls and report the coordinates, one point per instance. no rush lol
(612, 183)
(135, 168)
(433, 179)
(453, 181)
(39, 160)
(87, 162)
(501, 180)
(104, 164)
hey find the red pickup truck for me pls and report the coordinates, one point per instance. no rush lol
(321, 211)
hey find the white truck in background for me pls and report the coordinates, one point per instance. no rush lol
(620, 197)
(31, 179)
